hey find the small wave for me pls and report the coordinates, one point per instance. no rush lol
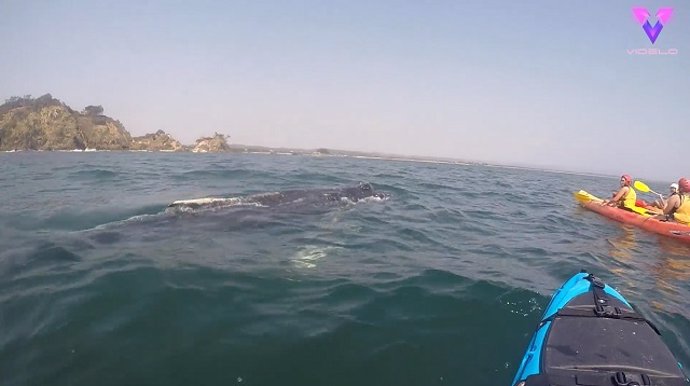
(26, 261)
(134, 219)
(52, 253)
(91, 174)
(76, 220)
(214, 174)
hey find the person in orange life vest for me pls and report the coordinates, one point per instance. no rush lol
(678, 206)
(625, 197)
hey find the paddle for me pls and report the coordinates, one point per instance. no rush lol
(642, 187)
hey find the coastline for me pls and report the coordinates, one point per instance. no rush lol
(260, 150)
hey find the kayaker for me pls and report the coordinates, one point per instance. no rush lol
(661, 202)
(678, 206)
(625, 197)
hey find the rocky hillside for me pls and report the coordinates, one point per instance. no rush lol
(46, 123)
(216, 143)
(158, 141)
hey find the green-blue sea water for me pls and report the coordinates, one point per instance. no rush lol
(442, 283)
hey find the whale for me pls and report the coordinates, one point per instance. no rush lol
(314, 197)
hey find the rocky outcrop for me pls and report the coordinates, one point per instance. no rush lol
(46, 123)
(217, 143)
(41, 124)
(104, 133)
(158, 141)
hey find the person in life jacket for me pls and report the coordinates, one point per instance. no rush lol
(678, 206)
(661, 202)
(625, 197)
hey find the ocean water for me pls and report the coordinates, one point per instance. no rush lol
(441, 283)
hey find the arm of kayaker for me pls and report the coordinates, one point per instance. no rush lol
(661, 204)
(671, 205)
(617, 197)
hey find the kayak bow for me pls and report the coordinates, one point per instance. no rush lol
(590, 335)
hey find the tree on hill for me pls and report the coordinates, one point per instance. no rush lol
(15, 102)
(15, 99)
(27, 101)
(93, 110)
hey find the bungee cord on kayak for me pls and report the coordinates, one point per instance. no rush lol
(591, 335)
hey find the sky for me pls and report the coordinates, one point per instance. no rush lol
(533, 83)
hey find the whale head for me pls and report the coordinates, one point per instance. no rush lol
(364, 190)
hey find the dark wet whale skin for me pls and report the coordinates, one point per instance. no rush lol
(315, 197)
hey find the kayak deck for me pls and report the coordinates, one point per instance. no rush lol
(588, 335)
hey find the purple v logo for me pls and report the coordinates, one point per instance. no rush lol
(663, 15)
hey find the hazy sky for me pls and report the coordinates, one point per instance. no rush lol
(542, 83)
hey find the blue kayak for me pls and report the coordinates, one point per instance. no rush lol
(590, 335)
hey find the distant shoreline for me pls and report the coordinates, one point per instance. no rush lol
(261, 150)
(63, 129)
